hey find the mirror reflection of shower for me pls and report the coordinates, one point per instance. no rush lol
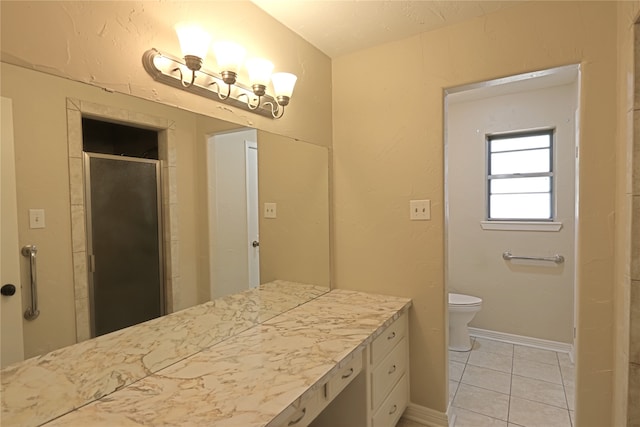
(123, 225)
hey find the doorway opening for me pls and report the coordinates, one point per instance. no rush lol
(166, 148)
(519, 262)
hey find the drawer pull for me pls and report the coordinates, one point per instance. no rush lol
(345, 376)
(293, 422)
(392, 335)
(392, 370)
(393, 409)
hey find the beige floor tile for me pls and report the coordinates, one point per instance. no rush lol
(534, 414)
(564, 359)
(487, 378)
(453, 387)
(572, 415)
(491, 346)
(459, 356)
(496, 361)
(538, 391)
(535, 354)
(455, 371)
(537, 370)
(571, 396)
(568, 375)
(482, 401)
(466, 418)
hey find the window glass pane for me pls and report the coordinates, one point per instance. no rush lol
(520, 206)
(520, 162)
(521, 185)
(520, 143)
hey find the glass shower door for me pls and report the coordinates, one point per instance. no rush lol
(124, 241)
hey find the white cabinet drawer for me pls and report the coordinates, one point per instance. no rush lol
(387, 373)
(393, 406)
(343, 377)
(388, 339)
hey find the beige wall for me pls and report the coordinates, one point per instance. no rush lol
(531, 299)
(626, 386)
(388, 149)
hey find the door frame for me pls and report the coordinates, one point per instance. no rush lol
(253, 213)
(167, 143)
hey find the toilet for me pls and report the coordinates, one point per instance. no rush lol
(462, 308)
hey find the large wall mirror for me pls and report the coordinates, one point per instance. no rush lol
(239, 207)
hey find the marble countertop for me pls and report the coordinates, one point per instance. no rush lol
(45, 387)
(245, 380)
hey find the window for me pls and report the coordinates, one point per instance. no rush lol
(520, 176)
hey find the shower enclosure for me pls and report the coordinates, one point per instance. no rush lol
(124, 241)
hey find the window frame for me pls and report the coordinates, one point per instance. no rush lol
(551, 132)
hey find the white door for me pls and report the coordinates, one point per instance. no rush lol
(11, 305)
(251, 150)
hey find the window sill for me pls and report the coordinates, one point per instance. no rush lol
(521, 225)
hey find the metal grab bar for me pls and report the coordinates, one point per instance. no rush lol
(558, 259)
(32, 312)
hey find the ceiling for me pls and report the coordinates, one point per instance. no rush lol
(338, 27)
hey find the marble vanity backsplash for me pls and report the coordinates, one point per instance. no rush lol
(81, 373)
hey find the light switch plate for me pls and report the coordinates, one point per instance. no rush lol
(36, 218)
(420, 210)
(270, 210)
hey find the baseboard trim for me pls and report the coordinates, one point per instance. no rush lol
(426, 416)
(522, 340)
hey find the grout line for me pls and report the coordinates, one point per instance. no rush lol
(511, 385)
(564, 388)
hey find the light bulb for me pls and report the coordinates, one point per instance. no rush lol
(194, 41)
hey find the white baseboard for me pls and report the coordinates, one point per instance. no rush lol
(522, 340)
(426, 416)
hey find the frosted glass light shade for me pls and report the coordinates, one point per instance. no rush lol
(229, 56)
(194, 41)
(259, 71)
(283, 83)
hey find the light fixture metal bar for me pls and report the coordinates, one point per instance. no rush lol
(171, 78)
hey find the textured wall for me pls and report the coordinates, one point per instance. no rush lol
(388, 149)
(102, 43)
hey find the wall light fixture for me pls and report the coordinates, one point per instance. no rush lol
(188, 74)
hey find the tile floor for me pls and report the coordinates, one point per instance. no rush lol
(505, 385)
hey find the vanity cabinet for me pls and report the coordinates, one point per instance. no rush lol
(389, 366)
(379, 394)
(339, 360)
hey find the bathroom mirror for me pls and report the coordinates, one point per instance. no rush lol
(292, 202)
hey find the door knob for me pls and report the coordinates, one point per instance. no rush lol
(255, 243)
(8, 289)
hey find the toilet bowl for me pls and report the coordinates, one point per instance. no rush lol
(462, 308)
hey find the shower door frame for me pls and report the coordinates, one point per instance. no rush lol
(87, 156)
